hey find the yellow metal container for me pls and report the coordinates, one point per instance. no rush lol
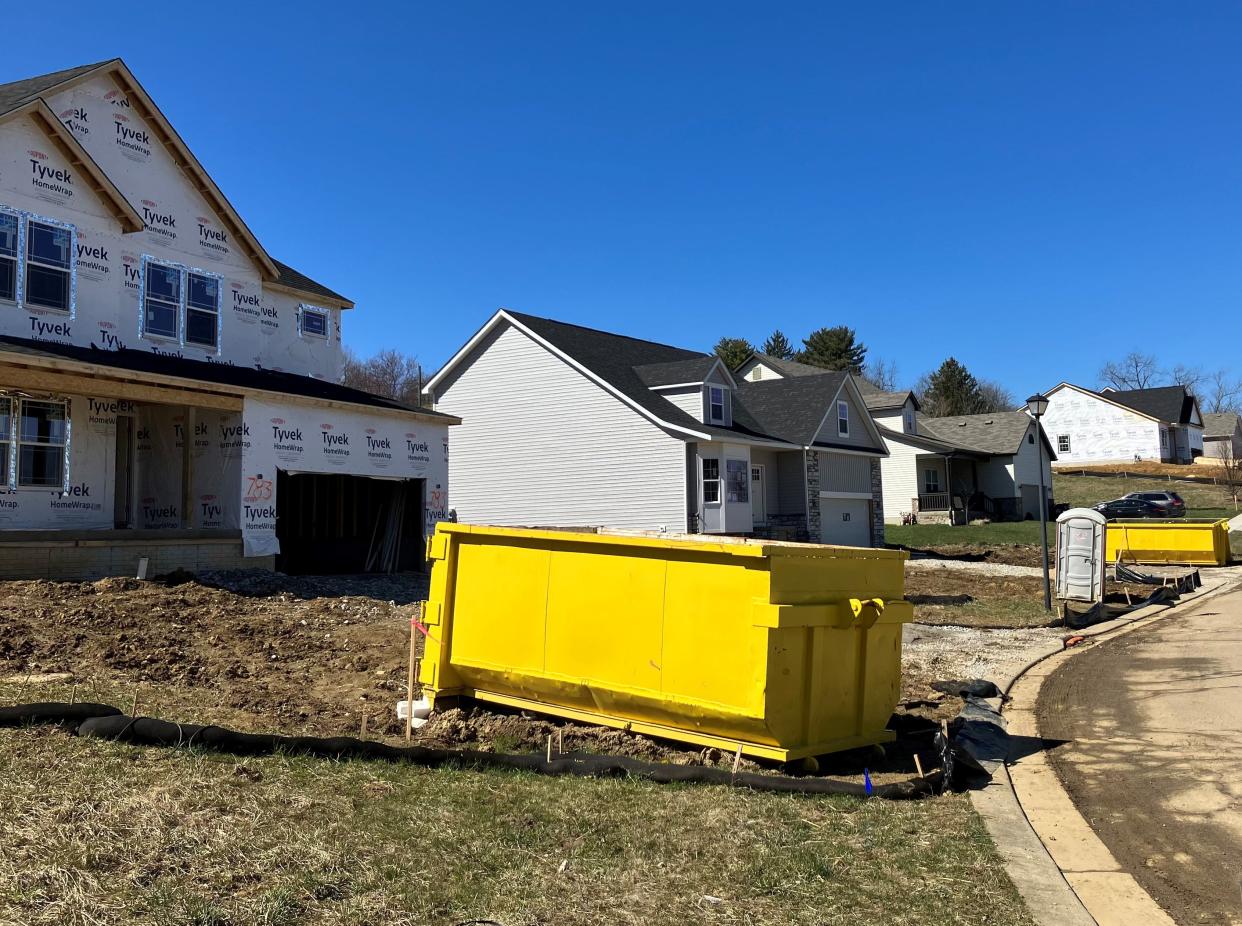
(786, 650)
(1195, 543)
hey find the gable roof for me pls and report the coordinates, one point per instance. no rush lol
(633, 369)
(875, 398)
(1219, 425)
(1168, 403)
(1171, 404)
(78, 157)
(19, 93)
(994, 433)
(927, 442)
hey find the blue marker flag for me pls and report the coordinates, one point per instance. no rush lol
(867, 781)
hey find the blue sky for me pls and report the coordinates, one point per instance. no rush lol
(1032, 188)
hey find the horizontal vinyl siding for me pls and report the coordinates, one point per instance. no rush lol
(858, 435)
(899, 475)
(689, 401)
(540, 444)
(842, 472)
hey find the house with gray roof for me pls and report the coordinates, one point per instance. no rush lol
(940, 469)
(1123, 425)
(568, 426)
(1222, 437)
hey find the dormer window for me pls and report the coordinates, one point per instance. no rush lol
(909, 416)
(843, 419)
(717, 405)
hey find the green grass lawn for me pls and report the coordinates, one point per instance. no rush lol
(100, 833)
(1086, 491)
(1001, 533)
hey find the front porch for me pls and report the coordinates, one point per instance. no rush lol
(952, 490)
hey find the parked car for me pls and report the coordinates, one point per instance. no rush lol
(1171, 502)
(1130, 508)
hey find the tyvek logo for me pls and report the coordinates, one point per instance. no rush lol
(134, 142)
(75, 119)
(158, 220)
(211, 239)
(108, 337)
(117, 98)
(210, 511)
(131, 271)
(48, 179)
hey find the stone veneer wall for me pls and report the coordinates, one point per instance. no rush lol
(814, 527)
(877, 505)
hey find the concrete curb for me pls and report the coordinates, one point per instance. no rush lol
(1062, 870)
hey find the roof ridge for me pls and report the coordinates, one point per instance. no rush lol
(612, 334)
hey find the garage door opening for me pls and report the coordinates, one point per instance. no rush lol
(334, 524)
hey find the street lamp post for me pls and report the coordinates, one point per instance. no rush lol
(1036, 405)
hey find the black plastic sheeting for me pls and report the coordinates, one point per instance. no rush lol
(106, 722)
(1097, 614)
(978, 742)
(1183, 583)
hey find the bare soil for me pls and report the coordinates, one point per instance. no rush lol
(1008, 555)
(274, 653)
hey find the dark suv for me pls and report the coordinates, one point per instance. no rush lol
(1130, 508)
(1170, 502)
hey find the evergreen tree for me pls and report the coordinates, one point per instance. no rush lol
(834, 348)
(952, 390)
(778, 346)
(734, 351)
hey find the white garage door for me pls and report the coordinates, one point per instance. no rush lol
(844, 521)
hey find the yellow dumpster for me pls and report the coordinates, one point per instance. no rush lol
(786, 650)
(1193, 542)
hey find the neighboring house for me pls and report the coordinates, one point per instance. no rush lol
(1123, 426)
(977, 465)
(968, 466)
(1222, 437)
(168, 390)
(567, 426)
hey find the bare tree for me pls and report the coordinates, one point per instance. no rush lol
(1190, 378)
(996, 398)
(881, 373)
(1221, 392)
(1229, 474)
(388, 373)
(1135, 371)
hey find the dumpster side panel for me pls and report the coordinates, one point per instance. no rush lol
(500, 599)
(1199, 543)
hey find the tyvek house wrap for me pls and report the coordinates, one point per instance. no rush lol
(216, 467)
(305, 439)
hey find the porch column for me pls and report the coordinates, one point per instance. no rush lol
(188, 515)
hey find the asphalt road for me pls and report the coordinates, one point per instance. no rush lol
(1152, 724)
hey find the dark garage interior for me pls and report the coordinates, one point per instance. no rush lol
(339, 524)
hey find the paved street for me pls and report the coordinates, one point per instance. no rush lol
(1153, 754)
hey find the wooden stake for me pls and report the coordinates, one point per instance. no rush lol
(549, 749)
(560, 742)
(409, 690)
(919, 765)
(73, 694)
(737, 759)
(363, 732)
(133, 708)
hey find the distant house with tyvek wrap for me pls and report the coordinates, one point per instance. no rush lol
(1123, 425)
(567, 426)
(168, 390)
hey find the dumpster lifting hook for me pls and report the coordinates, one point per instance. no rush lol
(876, 604)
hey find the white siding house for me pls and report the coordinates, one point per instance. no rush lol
(542, 444)
(574, 427)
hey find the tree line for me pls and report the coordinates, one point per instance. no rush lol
(1216, 390)
(950, 389)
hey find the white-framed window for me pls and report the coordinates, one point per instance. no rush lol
(909, 419)
(48, 282)
(42, 443)
(1063, 443)
(711, 481)
(37, 262)
(313, 322)
(179, 304)
(931, 480)
(717, 404)
(843, 419)
(10, 249)
(202, 309)
(161, 300)
(1164, 439)
(6, 438)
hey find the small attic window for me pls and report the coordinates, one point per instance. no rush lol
(717, 405)
(1030, 438)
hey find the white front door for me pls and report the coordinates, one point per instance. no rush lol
(758, 493)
